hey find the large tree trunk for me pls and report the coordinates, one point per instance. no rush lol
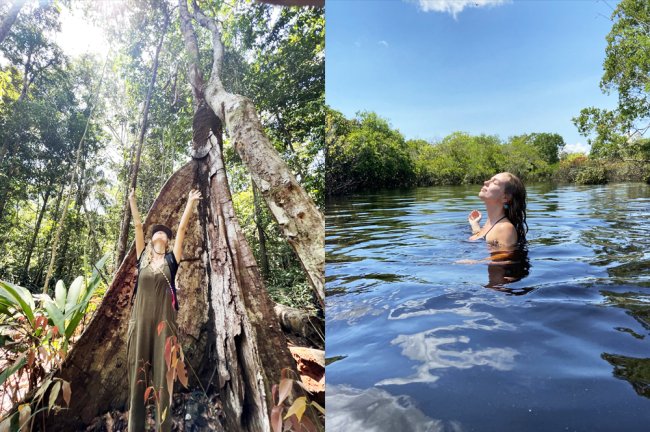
(133, 178)
(248, 373)
(295, 212)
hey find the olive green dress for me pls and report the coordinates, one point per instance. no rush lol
(153, 304)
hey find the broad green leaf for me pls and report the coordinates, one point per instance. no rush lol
(22, 297)
(60, 294)
(74, 293)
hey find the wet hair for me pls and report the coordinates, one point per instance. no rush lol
(516, 211)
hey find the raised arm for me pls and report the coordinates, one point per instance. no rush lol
(192, 199)
(137, 223)
(474, 218)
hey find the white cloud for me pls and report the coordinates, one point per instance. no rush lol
(577, 148)
(383, 42)
(454, 7)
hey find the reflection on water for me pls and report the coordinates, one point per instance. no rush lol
(508, 267)
(426, 339)
(374, 410)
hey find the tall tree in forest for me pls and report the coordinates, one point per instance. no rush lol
(627, 72)
(30, 54)
(295, 211)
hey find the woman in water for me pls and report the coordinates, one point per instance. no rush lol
(505, 229)
(155, 302)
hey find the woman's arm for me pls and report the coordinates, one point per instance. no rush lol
(137, 223)
(192, 199)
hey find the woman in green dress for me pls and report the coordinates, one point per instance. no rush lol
(155, 302)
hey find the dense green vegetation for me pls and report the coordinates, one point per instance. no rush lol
(366, 153)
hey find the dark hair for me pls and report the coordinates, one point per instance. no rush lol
(516, 211)
(163, 228)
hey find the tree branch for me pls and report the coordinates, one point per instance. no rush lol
(217, 46)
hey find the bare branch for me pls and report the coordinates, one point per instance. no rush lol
(217, 45)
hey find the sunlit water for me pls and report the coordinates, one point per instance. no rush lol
(419, 342)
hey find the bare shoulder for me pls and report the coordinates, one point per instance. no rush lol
(505, 233)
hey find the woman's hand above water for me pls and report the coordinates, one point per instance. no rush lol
(474, 218)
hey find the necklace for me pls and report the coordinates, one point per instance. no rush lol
(156, 266)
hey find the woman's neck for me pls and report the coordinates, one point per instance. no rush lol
(157, 248)
(495, 212)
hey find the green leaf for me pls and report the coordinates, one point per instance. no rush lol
(22, 298)
(42, 389)
(20, 362)
(74, 292)
(57, 317)
(60, 294)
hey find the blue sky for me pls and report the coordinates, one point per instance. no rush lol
(432, 68)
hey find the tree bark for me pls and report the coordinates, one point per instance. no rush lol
(10, 18)
(294, 210)
(245, 318)
(133, 178)
(5, 188)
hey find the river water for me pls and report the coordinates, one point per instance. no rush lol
(417, 341)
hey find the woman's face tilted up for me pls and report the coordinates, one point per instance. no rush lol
(160, 238)
(493, 190)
